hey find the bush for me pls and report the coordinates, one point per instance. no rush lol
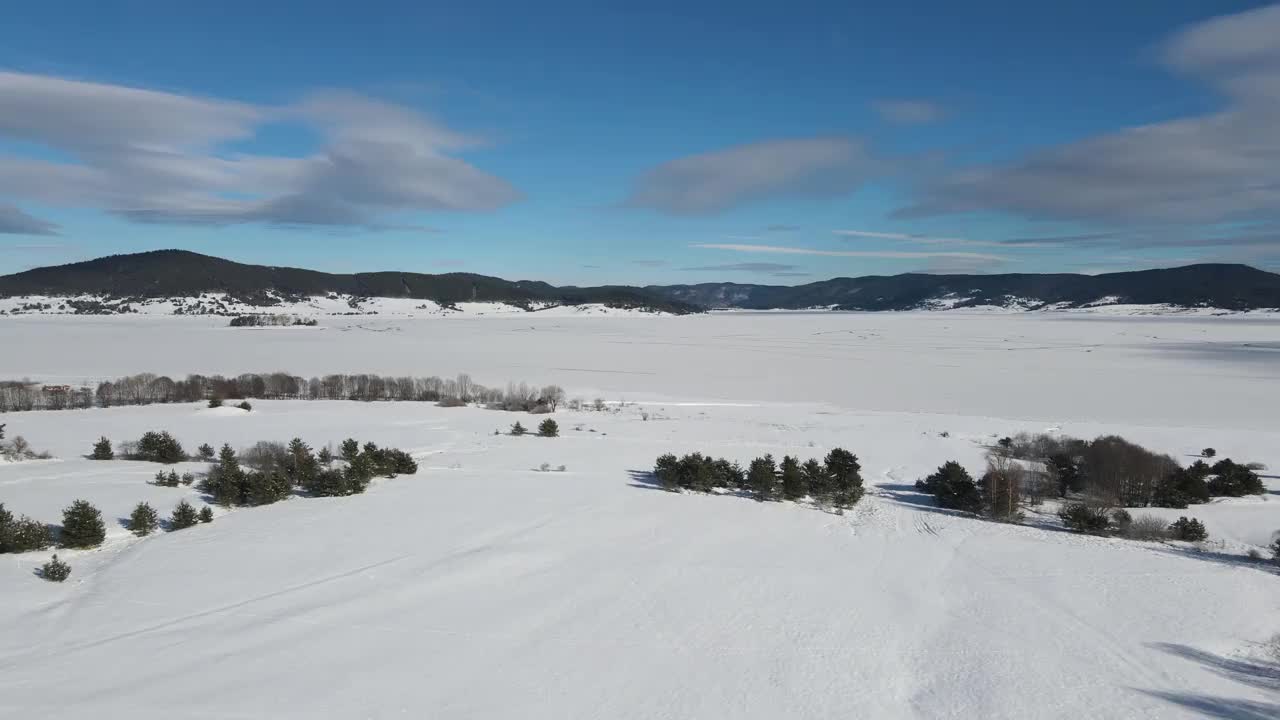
(1080, 517)
(667, 471)
(206, 514)
(1188, 529)
(55, 570)
(23, 534)
(1275, 551)
(1146, 527)
(143, 520)
(102, 450)
(548, 428)
(1208, 452)
(184, 516)
(159, 447)
(953, 488)
(82, 526)
(1183, 487)
(518, 429)
(167, 479)
(215, 402)
(245, 406)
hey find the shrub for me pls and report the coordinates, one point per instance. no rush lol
(1188, 529)
(1233, 480)
(215, 402)
(245, 406)
(55, 570)
(1146, 527)
(206, 514)
(1208, 452)
(1080, 517)
(667, 471)
(518, 429)
(143, 520)
(184, 516)
(102, 450)
(23, 535)
(187, 478)
(82, 526)
(548, 428)
(167, 479)
(953, 488)
(1121, 519)
(159, 447)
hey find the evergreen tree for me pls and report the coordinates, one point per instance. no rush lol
(1233, 480)
(206, 514)
(518, 429)
(1188, 529)
(227, 482)
(215, 402)
(6, 517)
(102, 450)
(762, 478)
(184, 516)
(793, 484)
(1082, 518)
(667, 471)
(160, 447)
(82, 526)
(301, 465)
(23, 534)
(844, 474)
(167, 479)
(953, 488)
(548, 428)
(1208, 452)
(350, 449)
(55, 570)
(206, 452)
(816, 483)
(326, 456)
(1067, 471)
(143, 520)
(1182, 487)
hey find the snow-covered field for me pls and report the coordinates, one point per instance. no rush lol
(482, 588)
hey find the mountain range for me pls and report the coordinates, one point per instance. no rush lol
(180, 273)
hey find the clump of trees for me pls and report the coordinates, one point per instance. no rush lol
(147, 388)
(1188, 529)
(836, 481)
(272, 321)
(22, 534)
(158, 447)
(270, 471)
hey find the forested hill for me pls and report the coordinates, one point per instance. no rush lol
(178, 273)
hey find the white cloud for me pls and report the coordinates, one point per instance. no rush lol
(716, 181)
(14, 221)
(893, 254)
(1208, 168)
(162, 157)
(908, 112)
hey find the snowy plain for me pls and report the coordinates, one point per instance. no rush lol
(483, 588)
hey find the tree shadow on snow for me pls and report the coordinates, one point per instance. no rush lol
(1219, 707)
(1262, 674)
(645, 480)
(1222, 558)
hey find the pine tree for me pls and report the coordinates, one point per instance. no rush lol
(350, 448)
(184, 516)
(102, 450)
(206, 514)
(23, 534)
(206, 452)
(815, 480)
(762, 477)
(845, 476)
(82, 526)
(1188, 529)
(1231, 479)
(326, 456)
(55, 570)
(143, 520)
(953, 488)
(160, 447)
(518, 429)
(6, 517)
(793, 484)
(548, 428)
(301, 464)
(667, 471)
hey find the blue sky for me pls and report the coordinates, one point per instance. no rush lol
(678, 142)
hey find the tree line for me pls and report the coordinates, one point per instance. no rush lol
(148, 388)
(836, 481)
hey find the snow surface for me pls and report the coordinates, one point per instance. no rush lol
(481, 588)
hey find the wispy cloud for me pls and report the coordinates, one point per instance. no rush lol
(753, 267)
(782, 228)
(162, 157)
(942, 240)
(716, 181)
(908, 112)
(649, 263)
(891, 254)
(1206, 168)
(13, 221)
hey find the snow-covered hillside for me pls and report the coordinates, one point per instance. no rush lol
(482, 587)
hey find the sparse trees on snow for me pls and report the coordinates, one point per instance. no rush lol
(183, 517)
(1188, 529)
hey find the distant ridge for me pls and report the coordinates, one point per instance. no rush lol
(179, 273)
